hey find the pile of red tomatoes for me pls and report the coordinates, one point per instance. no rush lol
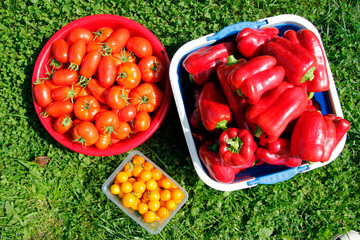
(101, 86)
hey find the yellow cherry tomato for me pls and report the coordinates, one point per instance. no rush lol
(115, 189)
(137, 170)
(151, 185)
(136, 203)
(177, 194)
(163, 212)
(154, 195)
(126, 187)
(145, 175)
(165, 183)
(149, 216)
(154, 205)
(171, 205)
(128, 200)
(139, 187)
(128, 169)
(122, 177)
(142, 208)
(148, 166)
(138, 160)
(165, 195)
(156, 174)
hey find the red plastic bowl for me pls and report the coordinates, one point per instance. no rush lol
(92, 23)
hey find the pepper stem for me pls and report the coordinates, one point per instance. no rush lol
(222, 125)
(258, 131)
(238, 92)
(234, 144)
(310, 95)
(191, 78)
(232, 60)
(309, 75)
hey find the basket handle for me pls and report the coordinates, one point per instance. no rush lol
(235, 28)
(278, 177)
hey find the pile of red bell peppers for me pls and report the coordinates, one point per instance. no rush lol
(254, 102)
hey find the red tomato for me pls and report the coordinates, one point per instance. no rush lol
(104, 107)
(117, 97)
(65, 77)
(86, 108)
(103, 142)
(77, 52)
(122, 132)
(106, 122)
(102, 34)
(62, 124)
(118, 39)
(152, 69)
(122, 57)
(146, 97)
(85, 133)
(140, 46)
(42, 94)
(89, 64)
(79, 33)
(106, 71)
(50, 84)
(129, 75)
(60, 93)
(58, 108)
(94, 46)
(127, 113)
(60, 50)
(97, 90)
(142, 121)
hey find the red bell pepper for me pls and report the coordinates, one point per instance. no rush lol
(278, 153)
(256, 77)
(313, 138)
(237, 147)
(237, 104)
(250, 41)
(202, 63)
(195, 117)
(307, 39)
(298, 62)
(341, 126)
(214, 110)
(216, 167)
(276, 109)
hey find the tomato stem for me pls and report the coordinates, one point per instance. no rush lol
(73, 67)
(66, 121)
(81, 140)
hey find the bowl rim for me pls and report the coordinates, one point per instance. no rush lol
(157, 116)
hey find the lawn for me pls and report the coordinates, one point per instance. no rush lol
(63, 200)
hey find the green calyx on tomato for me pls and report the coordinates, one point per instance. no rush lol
(54, 63)
(83, 81)
(123, 56)
(106, 50)
(143, 100)
(73, 66)
(80, 140)
(66, 121)
(71, 94)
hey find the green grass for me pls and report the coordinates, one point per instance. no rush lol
(64, 200)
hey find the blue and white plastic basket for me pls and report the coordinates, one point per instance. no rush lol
(183, 95)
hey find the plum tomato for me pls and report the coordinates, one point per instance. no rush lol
(77, 52)
(107, 71)
(58, 108)
(101, 34)
(140, 46)
(65, 77)
(90, 64)
(60, 50)
(118, 39)
(79, 33)
(42, 94)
